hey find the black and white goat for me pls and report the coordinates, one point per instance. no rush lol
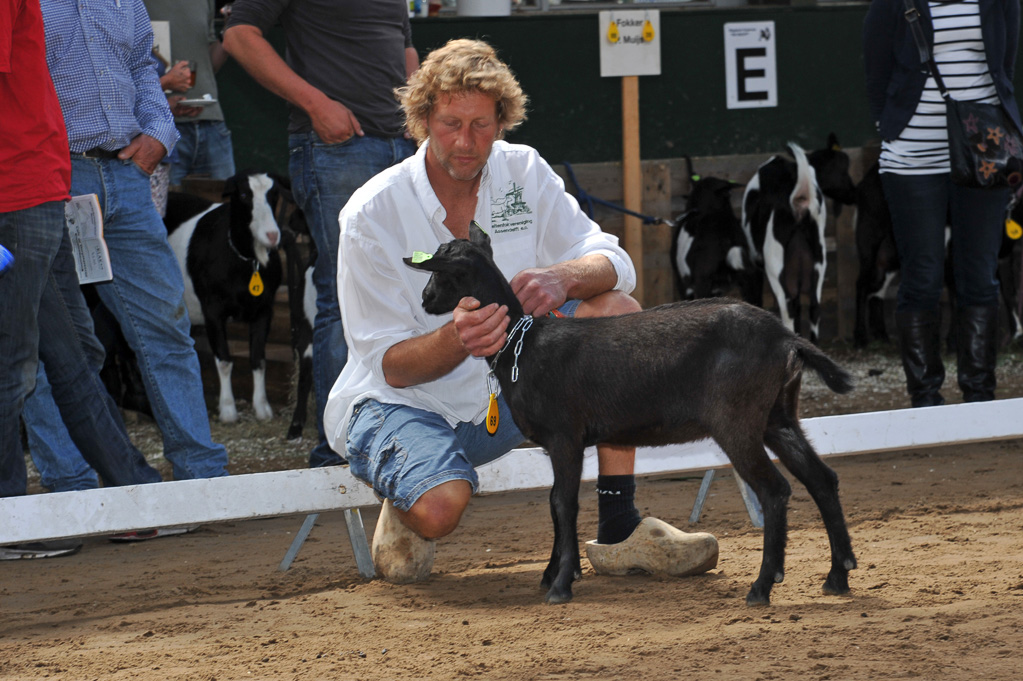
(719, 368)
(783, 218)
(708, 248)
(228, 256)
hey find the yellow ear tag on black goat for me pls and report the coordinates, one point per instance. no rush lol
(1013, 229)
(256, 284)
(648, 31)
(419, 256)
(612, 32)
(493, 415)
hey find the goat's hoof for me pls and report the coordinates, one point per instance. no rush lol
(264, 413)
(756, 597)
(228, 415)
(837, 583)
(556, 596)
(294, 432)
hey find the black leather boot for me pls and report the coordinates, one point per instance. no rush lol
(976, 350)
(920, 344)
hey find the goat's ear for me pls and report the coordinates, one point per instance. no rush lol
(422, 261)
(479, 237)
(230, 187)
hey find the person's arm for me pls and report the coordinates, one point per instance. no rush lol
(1012, 37)
(542, 289)
(152, 113)
(878, 62)
(331, 120)
(475, 331)
(411, 61)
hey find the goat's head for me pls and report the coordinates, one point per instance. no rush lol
(832, 167)
(253, 197)
(460, 268)
(711, 195)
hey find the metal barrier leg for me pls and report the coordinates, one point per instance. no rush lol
(356, 535)
(296, 543)
(701, 496)
(756, 515)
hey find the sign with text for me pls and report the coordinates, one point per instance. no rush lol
(630, 43)
(750, 69)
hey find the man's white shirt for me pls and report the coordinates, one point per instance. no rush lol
(531, 221)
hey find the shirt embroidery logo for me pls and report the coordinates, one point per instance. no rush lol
(508, 211)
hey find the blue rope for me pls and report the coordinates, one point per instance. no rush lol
(586, 201)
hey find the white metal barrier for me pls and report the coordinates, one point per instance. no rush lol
(308, 491)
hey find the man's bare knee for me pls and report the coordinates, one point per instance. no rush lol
(608, 304)
(438, 511)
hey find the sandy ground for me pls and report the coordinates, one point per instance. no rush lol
(938, 593)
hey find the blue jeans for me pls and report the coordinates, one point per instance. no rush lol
(43, 317)
(146, 297)
(204, 149)
(921, 207)
(323, 178)
(62, 468)
(403, 451)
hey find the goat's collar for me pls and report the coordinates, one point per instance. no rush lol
(520, 328)
(254, 260)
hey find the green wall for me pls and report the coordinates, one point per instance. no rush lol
(575, 115)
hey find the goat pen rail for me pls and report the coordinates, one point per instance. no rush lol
(111, 510)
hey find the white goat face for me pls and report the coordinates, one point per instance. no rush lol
(265, 231)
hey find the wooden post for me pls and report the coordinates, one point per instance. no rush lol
(632, 178)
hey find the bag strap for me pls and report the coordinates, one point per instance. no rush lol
(913, 17)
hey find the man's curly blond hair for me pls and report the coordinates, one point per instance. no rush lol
(462, 66)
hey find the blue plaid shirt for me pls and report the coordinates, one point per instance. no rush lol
(100, 57)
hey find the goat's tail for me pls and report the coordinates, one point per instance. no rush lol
(834, 376)
(804, 196)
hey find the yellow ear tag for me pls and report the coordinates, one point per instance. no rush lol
(493, 415)
(256, 284)
(419, 256)
(612, 32)
(648, 31)
(1013, 229)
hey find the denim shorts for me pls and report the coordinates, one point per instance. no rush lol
(404, 451)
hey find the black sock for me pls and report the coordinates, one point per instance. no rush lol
(616, 510)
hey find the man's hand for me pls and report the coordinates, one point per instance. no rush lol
(334, 122)
(179, 109)
(481, 330)
(177, 78)
(145, 151)
(540, 290)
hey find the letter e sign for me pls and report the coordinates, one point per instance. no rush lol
(750, 68)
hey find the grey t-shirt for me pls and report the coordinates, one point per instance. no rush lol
(191, 32)
(351, 50)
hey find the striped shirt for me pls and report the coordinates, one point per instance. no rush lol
(922, 147)
(100, 57)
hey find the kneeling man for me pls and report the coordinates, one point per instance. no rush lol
(408, 409)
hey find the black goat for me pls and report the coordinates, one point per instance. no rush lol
(879, 266)
(708, 249)
(228, 256)
(879, 259)
(718, 368)
(302, 309)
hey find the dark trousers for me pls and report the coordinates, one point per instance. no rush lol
(922, 206)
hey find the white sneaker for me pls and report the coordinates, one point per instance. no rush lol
(399, 554)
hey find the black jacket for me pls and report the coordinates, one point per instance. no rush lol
(895, 75)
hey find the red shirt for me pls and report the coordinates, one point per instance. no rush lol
(35, 165)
